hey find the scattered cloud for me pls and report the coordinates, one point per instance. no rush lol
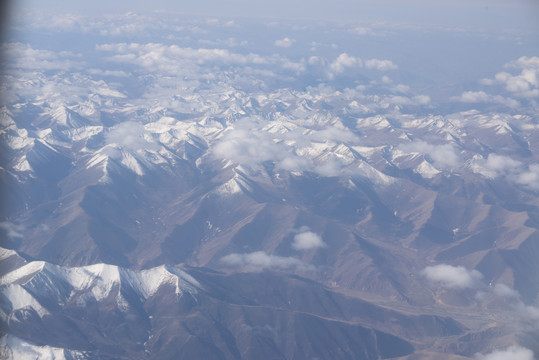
(510, 353)
(259, 260)
(307, 240)
(483, 97)
(172, 60)
(343, 62)
(12, 230)
(131, 136)
(249, 146)
(443, 156)
(529, 178)
(504, 291)
(334, 134)
(496, 165)
(453, 277)
(361, 30)
(401, 88)
(24, 56)
(404, 100)
(298, 149)
(525, 84)
(527, 312)
(286, 42)
(160, 55)
(503, 166)
(382, 65)
(115, 73)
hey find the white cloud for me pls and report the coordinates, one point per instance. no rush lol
(361, 30)
(382, 65)
(286, 42)
(12, 230)
(525, 62)
(173, 60)
(259, 260)
(298, 149)
(401, 88)
(483, 97)
(525, 84)
(496, 165)
(510, 353)
(155, 54)
(527, 312)
(247, 145)
(116, 73)
(334, 134)
(502, 166)
(307, 240)
(502, 290)
(529, 178)
(21, 56)
(404, 100)
(343, 62)
(443, 156)
(130, 136)
(452, 276)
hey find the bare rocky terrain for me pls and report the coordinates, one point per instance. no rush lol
(162, 201)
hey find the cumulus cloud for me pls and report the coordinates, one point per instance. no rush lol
(404, 100)
(529, 178)
(152, 54)
(259, 260)
(496, 165)
(452, 277)
(130, 143)
(525, 84)
(251, 146)
(504, 291)
(23, 56)
(483, 97)
(503, 166)
(525, 62)
(334, 134)
(527, 313)
(307, 240)
(298, 149)
(443, 156)
(382, 65)
(361, 30)
(115, 73)
(12, 230)
(343, 62)
(286, 42)
(175, 60)
(131, 136)
(510, 353)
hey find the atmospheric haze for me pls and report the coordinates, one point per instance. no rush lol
(260, 180)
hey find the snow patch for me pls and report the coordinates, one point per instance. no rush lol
(14, 348)
(426, 170)
(19, 298)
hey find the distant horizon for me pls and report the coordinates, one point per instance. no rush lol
(482, 14)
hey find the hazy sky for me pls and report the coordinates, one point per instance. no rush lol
(477, 13)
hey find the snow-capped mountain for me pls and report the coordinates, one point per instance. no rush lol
(172, 200)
